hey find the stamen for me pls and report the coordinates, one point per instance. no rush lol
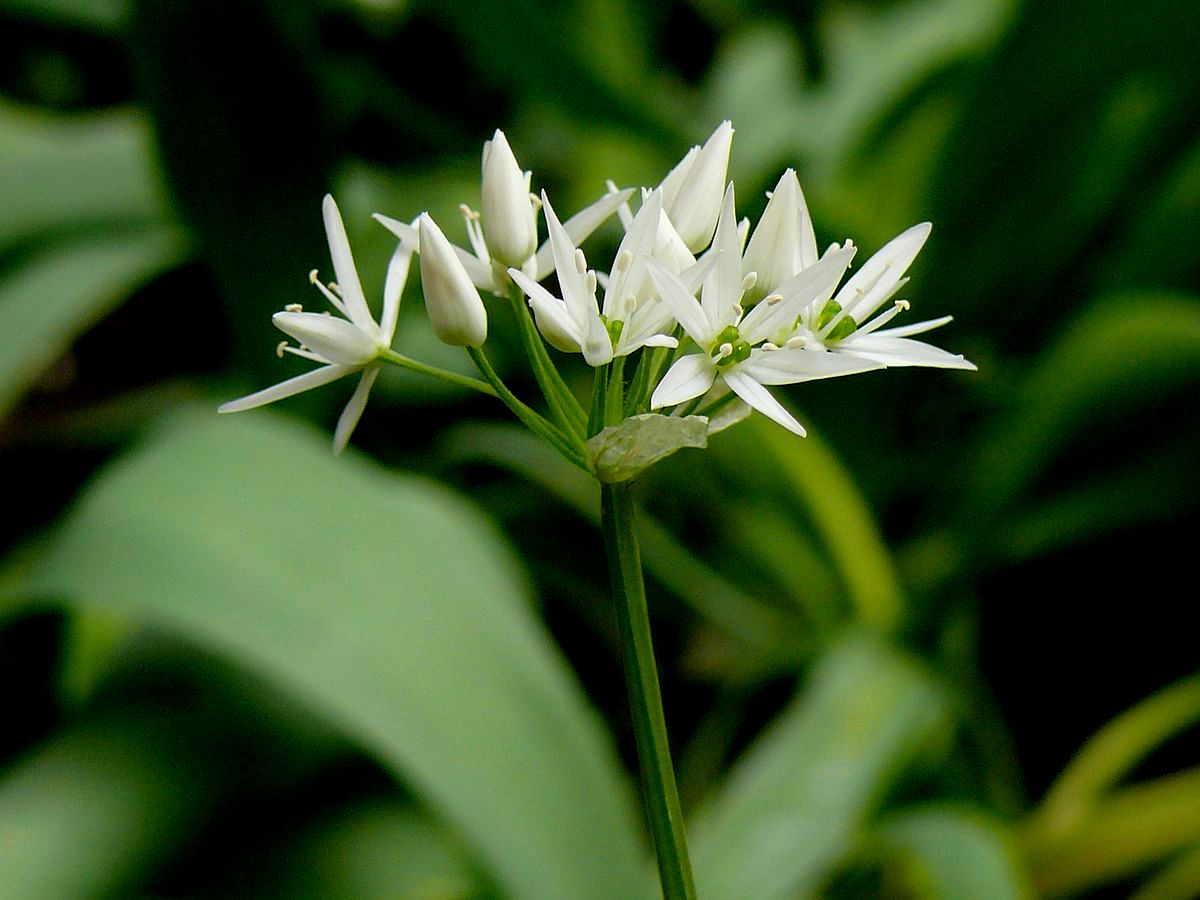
(312, 277)
(795, 343)
(467, 213)
(580, 261)
(725, 350)
(590, 280)
(535, 199)
(624, 260)
(903, 304)
(279, 348)
(333, 298)
(749, 280)
(738, 312)
(768, 346)
(774, 300)
(293, 307)
(334, 287)
(630, 304)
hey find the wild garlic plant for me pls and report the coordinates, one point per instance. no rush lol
(687, 328)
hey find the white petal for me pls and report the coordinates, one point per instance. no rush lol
(916, 327)
(480, 272)
(690, 377)
(894, 351)
(455, 308)
(331, 337)
(354, 409)
(722, 288)
(730, 414)
(581, 302)
(343, 266)
(629, 269)
(553, 321)
(812, 285)
(871, 286)
(580, 226)
(674, 181)
(790, 366)
(697, 204)
(509, 217)
(760, 398)
(682, 304)
(783, 243)
(393, 289)
(305, 382)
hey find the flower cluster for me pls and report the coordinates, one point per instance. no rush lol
(715, 313)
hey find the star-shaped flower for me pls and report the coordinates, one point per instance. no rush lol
(345, 345)
(734, 344)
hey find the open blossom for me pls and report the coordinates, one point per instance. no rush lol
(734, 345)
(504, 235)
(844, 325)
(342, 346)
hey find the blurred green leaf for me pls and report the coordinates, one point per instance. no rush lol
(1179, 880)
(60, 172)
(55, 296)
(92, 811)
(383, 602)
(371, 850)
(1113, 357)
(944, 853)
(105, 16)
(806, 474)
(793, 805)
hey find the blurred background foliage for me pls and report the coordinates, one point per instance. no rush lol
(942, 648)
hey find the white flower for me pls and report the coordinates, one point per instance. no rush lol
(342, 345)
(729, 342)
(452, 301)
(844, 325)
(783, 243)
(509, 214)
(692, 190)
(504, 231)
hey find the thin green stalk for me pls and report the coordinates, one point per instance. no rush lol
(563, 405)
(599, 401)
(404, 362)
(645, 697)
(548, 432)
(614, 402)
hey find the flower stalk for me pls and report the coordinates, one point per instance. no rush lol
(645, 697)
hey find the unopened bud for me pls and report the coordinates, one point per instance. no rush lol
(455, 308)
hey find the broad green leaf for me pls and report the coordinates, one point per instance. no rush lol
(621, 452)
(55, 296)
(60, 172)
(942, 853)
(384, 603)
(795, 803)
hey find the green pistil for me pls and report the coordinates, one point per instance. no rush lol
(844, 328)
(614, 327)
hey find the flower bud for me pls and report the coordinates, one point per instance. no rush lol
(783, 243)
(509, 217)
(455, 308)
(337, 340)
(692, 192)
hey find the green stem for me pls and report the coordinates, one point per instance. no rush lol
(563, 405)
(645, 698)
(614, 402)
(534, 422)
(404, 362)
(599, 401)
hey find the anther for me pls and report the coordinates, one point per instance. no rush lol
(748, 281)
(768, 346)
(796, 342)
(903, 305)
(725, 350)
(468, 213)
(312, 277)
(591, 282)
(536, 201)
(630, 304)
(580, 261)
(279, 348)
(293, 307)
(774, 300)
(624, 260)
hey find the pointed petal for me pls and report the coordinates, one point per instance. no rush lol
(674, 181)
(354, 409)
(790, 366)
(343, 266)
(877, 280)
(580, 226)
(479, 272)
(332, 337)
(812, 285)
(299, 384)
(894, 351)
(697, 204)
(783, 242)
(682, 304)
(722, 288)
(916, 327)
(760, 398)
(581, 303)
(689, 378)
(393, 289)
(553, 321)
(629, 267)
